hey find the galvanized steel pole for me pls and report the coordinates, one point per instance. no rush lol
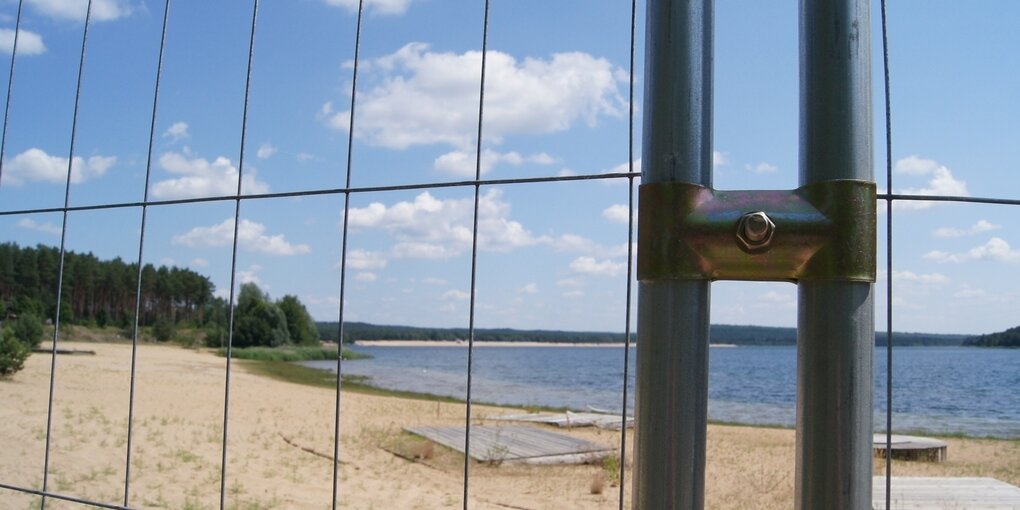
(836, 324)
(673, 315)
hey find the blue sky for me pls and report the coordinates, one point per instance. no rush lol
(551, 255)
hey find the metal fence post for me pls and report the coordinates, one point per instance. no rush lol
(673, 315)
(836, 323)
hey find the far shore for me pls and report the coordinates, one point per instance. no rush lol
(490, 343)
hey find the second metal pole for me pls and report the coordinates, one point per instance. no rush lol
(836, 320)
(673, 315)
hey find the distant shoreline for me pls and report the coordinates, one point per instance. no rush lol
(490, 343)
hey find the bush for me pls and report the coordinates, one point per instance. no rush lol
(13, 353)
(163, 329)
(28, 329)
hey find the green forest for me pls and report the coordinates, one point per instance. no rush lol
(1008, 338)
(101, 293)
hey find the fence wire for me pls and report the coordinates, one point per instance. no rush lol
(889, 197)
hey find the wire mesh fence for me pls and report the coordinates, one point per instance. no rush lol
(341, 202)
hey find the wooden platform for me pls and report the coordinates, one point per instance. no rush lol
(517, 444)
(937, 493)
(911, 448)
(570, 419)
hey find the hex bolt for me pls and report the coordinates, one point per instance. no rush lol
(754, 231)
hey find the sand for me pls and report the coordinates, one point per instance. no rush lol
(281, 437)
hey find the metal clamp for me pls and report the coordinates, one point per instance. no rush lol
(822, 231)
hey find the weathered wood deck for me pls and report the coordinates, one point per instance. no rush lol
(516, 444)
(569, 419)
(911, 448)
(937, 493)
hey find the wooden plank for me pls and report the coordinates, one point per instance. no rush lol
(937, 493)
(516, 444)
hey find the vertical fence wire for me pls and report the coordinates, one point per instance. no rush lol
(630, 253)
(233, 258)
(343, 256)
(141, 248)
(10, 84)
(63, 245)
(474, 256)
(888, 262)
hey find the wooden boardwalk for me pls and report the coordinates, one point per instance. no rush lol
(937, 493)
(517, 444)
(570, 419)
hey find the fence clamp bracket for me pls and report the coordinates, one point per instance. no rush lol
(823, 232)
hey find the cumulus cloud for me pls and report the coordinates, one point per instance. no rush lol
(425, 97)
(719, 158)
(266, 151)
(366, 276)
(387, 7)
(761, 168)
(977, 228)
(36, 165)
(102, 10)
(592, 266)
(364, 259)
(199, 262)
(996, 249)
(29, 43)
(202, 178)
(250, 275)
(434, 281)
(912, 277)
(531, 288)
(462, 163)
(250, 235)
(457, 295)
(45, 227)
(432, 228)
(177, 131)
(617, 213)
(940, 181)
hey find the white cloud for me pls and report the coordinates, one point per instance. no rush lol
(29, 43)
(977, 228)
(304, 156)
(569, 282)
(250, 235)
(623, 168)
(435, 229)
(463, 163)
(36, 165)
(366, 276)
(927, 278)
(573, 294)
(531, 288)
(458, 295)
(762, 168)
(45, 227)
(363, 259)
(177, 131)
(266, 151)
(940, 183)
(591, 266)
(617, 213)
(202, 178)
(996, 249)
(434, 281)
(719, 158)
(425, 97)
(199, 262)
(250, 275)
(377, 6)
(102, 10)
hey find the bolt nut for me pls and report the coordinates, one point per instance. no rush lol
(755, 231)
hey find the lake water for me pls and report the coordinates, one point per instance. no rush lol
(936, 389)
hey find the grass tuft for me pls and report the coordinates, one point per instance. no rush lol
(290, 353)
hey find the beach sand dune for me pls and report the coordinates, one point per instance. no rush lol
(280, 442)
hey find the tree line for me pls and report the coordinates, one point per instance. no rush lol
(102, 293)
(1008, 338)
(98, 292)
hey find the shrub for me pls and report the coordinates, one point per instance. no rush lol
(28, 329)
(13, 353)
(163, 329)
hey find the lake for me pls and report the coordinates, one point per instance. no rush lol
(972, 391)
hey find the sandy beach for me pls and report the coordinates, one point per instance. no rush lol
(280, 440)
